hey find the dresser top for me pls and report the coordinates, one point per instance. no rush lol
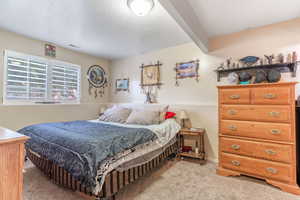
(259, 85)
(8, 136)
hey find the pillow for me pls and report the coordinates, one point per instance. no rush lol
(170, 115)
(115, 114)
(163, 114)
(144, 117)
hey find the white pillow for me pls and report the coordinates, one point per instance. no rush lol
(144, 117)
(116, 114)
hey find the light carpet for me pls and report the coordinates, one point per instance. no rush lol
(175, 180)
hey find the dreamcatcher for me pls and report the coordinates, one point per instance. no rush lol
(97, 80)
(150, 81)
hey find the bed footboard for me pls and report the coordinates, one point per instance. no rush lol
(114, 181)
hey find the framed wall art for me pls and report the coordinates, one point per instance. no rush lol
(97, 78)
(50, 50)
(187, 70)
(150, 75)
(150, 81)
(122, 85)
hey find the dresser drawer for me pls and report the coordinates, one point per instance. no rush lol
(235, 96)
(252, 166)
(274, 95)
(260, 130)
(270, 151)
(256, 113)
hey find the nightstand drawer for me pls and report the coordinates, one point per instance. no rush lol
(252, 166)
(275, 95)
(270, 151)
(260, 130)
(235, 96)
(256, 113)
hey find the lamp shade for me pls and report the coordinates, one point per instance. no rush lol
(102, 109)
(183, 115)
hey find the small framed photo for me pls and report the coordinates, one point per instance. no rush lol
(122, 84)
(50, 50)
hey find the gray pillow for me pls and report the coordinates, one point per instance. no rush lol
(144, 117)
(115, 114)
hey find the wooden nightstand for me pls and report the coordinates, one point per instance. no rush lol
(198, 136)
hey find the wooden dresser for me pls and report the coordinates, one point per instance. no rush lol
(11, 164)
(257, 133)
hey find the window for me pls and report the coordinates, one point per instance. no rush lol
(31, 79)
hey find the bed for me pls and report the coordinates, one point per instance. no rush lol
(98, 158)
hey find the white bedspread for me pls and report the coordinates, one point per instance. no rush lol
(164, 131)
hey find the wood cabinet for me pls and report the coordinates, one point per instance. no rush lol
(11, 164)
(257, 134)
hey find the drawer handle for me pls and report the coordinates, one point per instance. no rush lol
(275, 131)
(236, 163)
(232, 128)
(232, 112)
(274, 114)
(235, 96)
(235, 146)
(272, 170)
(270, 152)
(270, 96)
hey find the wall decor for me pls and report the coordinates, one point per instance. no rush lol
(260, 76)
(122, 85)
(282, 63)
(50, 50)
(249, 60)
(97, 80)
(150, 81)
(187, 70)
(233, 78)
(295, 57)
(280, 58)
(289, 58)
(245, 77)
(273, 76)
(228, 63)
(270, 59)
(150, 75)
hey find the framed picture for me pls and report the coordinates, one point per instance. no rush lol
(187, 70)
(150, 75)
(122, 85)
(50, 50)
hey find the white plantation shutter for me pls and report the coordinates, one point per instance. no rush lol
(39, 80)
(64, 82)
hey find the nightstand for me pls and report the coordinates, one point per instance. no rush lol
(197, 135)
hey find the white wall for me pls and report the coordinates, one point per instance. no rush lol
(15, 117)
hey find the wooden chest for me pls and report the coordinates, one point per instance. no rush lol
(257, 133)
(11, 164)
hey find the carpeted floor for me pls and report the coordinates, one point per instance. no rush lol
(176, 180)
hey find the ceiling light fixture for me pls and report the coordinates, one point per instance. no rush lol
(140, 7)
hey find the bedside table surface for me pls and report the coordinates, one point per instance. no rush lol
(186, 131)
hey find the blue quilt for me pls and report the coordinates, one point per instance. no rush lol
(81, 146)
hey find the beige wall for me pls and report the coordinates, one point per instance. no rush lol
(15, 117)
(200, 99)
(272, 39)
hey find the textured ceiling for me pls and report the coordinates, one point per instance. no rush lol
(219, 17)
(105, 28)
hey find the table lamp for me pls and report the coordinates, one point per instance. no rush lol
(183, 116)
